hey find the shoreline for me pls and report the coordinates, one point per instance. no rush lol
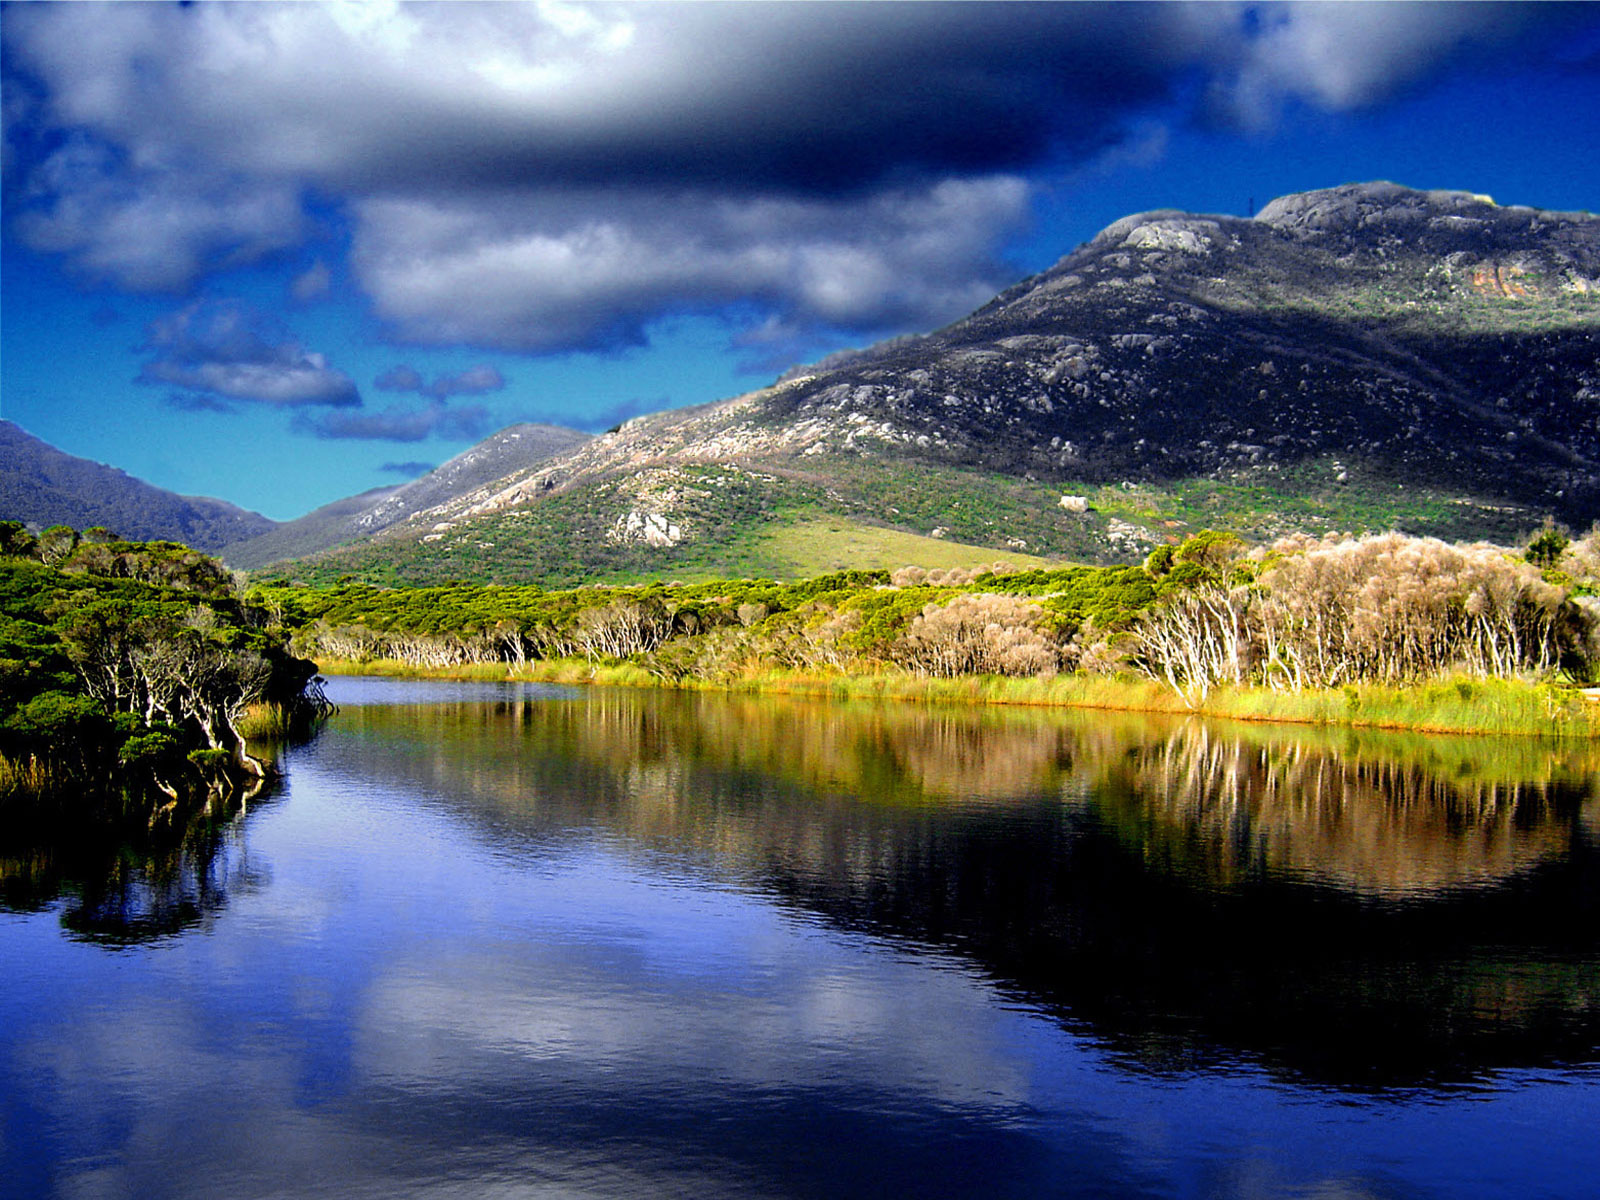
(1456, 705)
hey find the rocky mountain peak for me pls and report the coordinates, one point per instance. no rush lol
(1357, 206)
(1349, 343)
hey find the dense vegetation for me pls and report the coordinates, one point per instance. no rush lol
(1299, 615)
(127, 672)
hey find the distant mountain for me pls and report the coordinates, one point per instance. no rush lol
(515, 448)
(43, 486)
(1367, 356)
(330, 525)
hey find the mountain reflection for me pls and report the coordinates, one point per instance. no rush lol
(1358, 909)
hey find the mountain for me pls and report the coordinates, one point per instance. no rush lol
(1367, 356)
(42, 486)
(514, 448)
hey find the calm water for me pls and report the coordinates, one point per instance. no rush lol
(525, 942)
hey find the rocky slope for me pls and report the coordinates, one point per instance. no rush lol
(1445, 338)
(513, 449)
(42, 486)
(1357, 357)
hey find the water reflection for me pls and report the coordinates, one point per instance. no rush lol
(1359, 910)
(120, 885)
(1387, 816)
(586, 943)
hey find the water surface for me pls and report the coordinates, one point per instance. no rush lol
(511, 940)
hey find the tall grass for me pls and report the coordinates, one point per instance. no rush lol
(266, 723)
(25, 780)
(1453, 705)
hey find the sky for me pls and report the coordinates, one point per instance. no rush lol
(284, 253)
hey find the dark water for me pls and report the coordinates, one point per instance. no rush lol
(523, 942)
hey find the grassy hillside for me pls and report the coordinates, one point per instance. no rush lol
(825, 513)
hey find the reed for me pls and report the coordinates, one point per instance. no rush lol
(27, 780)
(265, 723)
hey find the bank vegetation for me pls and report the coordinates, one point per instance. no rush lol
(132, 677)
(1385, 630)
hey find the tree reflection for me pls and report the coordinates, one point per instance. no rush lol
(125, 885)
(1362, 815)
(1363, 910)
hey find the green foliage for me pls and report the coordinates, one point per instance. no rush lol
(56, 543)
(16, 541)
(1205, 592)
(118, 656)
(1548, 545)
(154, 749)
(1210, 549)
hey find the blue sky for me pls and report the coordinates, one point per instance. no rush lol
(282, 254)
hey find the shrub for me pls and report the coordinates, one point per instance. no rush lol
(979, 634)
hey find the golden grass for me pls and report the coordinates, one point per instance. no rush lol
(1457, 705)
(265, 722)
(18, 779)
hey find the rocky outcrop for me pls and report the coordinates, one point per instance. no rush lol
(1456, 341)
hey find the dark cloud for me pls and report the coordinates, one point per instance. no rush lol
(227, 351)
(473, 381)
(774, 346)
(542, 178)
(596, 421)
(792, 98)
(398, 423)
(400, 379)
(408, 470)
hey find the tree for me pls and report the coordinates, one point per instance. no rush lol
(984, 634)
(56, 543)
(1548, 545)
(16, 541)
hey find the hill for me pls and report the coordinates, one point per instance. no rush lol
(1358, 358)
(42, 486)
(514, 448)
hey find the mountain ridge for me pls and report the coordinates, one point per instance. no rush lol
(1361, 356)
(41, 486)
(355, 517)
(1355, 358)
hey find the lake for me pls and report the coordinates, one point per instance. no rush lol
(521, 941)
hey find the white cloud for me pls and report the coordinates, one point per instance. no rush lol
(226, 350)
(151, 232)
(1341, 56)
(541, 275)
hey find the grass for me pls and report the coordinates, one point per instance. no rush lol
(815, 516)
(1461, 706)
(265, 722)
(24, 780)
(1306, 496)
(822, 545)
